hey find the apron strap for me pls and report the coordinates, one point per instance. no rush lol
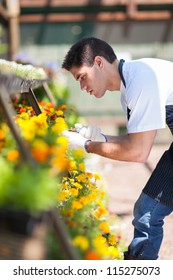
(120, 69)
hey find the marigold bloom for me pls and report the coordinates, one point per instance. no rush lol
(76, 205)
(22, 110)
(81, 242)
(84, 200)
(91, 255)
(101, 211)
(24, 116)
(40, 151)
(89, 175)
(82, 167)
(78, 185)
(82, 178)
(59, 113)
(2, 135)
(13, 155)
(114, 252)
(63, 195)
(62, 107)
(97, 176)
(74, 192)
(72, 165)
(99, 241)
(62, 141)
(112, 239)
(104, 226)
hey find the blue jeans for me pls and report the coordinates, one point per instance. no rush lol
(148, 227)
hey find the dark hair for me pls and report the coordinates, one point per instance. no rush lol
(85, 51)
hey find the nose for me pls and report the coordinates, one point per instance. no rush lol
(82, 85)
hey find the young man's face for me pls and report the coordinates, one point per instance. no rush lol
(92, 79)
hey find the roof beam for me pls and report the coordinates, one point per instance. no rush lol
(95, 10)
(36, 3)
(105, 17)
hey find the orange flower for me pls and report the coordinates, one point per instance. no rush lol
(104, 226)
(40, 151)
(62, 107)
(90, 255)
(22, 110)
(2, 135)
(13, 155)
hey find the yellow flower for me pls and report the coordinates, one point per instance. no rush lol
(63, 195)
(59, 113)
(28, 129)
(99, 241)
(112, 239)
(114, 252)
(81, 242)
(77, 185)
(74, 191)
(97, 176)
(59, 126)
(62, 141)
(74, 172)
(82, 167)
(84, 200)
(76, 205)
(79, 153)
(82, 178)
(24, 116)
(89, 175)
(93, 196)
(101, 211)
(104, 226)
(72, 165)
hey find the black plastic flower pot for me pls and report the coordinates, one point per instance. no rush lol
(22, 236)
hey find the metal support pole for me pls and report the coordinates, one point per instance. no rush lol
(33, 101)
(62, 235)
(49, 94)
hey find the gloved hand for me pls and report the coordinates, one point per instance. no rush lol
(91, 132)
(75, 140)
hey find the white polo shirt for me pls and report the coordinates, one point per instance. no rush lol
(149, 88)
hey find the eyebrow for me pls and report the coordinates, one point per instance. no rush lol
(77, 77)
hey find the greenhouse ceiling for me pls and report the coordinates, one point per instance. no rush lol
(95, 10)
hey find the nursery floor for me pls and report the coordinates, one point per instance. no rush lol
(124, 183)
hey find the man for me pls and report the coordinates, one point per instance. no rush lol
(146, 87)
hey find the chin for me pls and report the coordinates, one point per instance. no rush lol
(100, 95)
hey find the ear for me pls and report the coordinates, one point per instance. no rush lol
(99, 61)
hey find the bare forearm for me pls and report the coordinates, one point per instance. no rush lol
(117, 148)
(131, 147)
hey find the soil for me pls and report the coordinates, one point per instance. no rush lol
(124, 182)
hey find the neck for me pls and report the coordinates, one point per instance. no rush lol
(114, 79)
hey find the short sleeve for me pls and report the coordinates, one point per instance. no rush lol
(144, 99)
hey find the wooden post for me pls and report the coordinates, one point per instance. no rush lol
(13, 11)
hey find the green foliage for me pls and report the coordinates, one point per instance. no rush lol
(31, 190)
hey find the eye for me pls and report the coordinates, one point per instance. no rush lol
(83, 77)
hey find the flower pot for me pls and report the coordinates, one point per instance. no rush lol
(22, 236)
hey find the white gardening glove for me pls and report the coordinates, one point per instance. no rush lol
(75, 140)
(91, 132)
